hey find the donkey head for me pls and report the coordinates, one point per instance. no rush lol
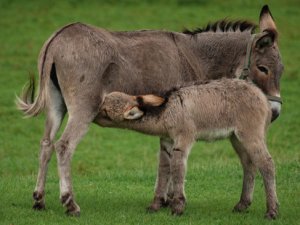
(118, 106)
(266, 65)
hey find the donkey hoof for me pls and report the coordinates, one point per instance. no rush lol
(72, 208)
(241, 207)
(73, 213)
(39, 206)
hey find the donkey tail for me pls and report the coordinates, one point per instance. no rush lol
(26, 102)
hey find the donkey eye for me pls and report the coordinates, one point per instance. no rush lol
(263, 69)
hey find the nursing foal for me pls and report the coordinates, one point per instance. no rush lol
(226, 108)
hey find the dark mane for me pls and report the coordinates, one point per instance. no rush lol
(224, 26)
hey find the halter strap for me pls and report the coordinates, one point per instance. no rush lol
(274, 99)
(246, 70)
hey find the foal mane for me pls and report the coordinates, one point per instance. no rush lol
(157, 110)
(224, 25)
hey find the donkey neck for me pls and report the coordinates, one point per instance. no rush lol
(219, 53)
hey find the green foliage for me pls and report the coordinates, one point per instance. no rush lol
(114, 170)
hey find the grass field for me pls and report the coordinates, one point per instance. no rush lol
(114, 170)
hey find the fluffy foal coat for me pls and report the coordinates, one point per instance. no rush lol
(228, 108)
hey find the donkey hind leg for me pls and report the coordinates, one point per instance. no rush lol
(56, 111)
(249, 170)
(261, 158)
(162, 197)
(180, 154)
(76, 127)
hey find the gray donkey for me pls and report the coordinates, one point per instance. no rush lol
(80, 63)
(219, 109)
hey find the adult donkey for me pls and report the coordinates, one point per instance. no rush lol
(79, 64)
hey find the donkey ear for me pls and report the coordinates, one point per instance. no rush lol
(266, 40)
(133, 113)
(266, 21)
(150, 100)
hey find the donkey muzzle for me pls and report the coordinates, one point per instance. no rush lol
(275, 102)
(276, 108)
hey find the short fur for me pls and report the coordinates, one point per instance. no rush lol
(80, 63)
(224, 108)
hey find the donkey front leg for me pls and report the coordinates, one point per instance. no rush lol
(162, 198)
(65, 146)
(178, 169)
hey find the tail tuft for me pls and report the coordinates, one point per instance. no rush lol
(26, 102)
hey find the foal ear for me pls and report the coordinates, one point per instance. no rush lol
(150, 100)
(266, 21)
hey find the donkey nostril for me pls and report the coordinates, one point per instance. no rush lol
(275, 115)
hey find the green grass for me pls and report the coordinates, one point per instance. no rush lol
(114, 170)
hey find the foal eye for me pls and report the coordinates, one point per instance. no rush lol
(131, 113)
(263, 69)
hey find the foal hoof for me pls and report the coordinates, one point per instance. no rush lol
(166, 203)
(39, 203)
(157, 203)
(39, 206)
(272, 214)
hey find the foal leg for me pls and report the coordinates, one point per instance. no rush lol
(161, 199)
(55, 114)
(75, 129)
(178, 170)
(259, 155)
(249, 170)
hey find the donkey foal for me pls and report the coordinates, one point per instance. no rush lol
(211, 111)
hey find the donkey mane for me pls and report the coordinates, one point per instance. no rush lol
(224, 25)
